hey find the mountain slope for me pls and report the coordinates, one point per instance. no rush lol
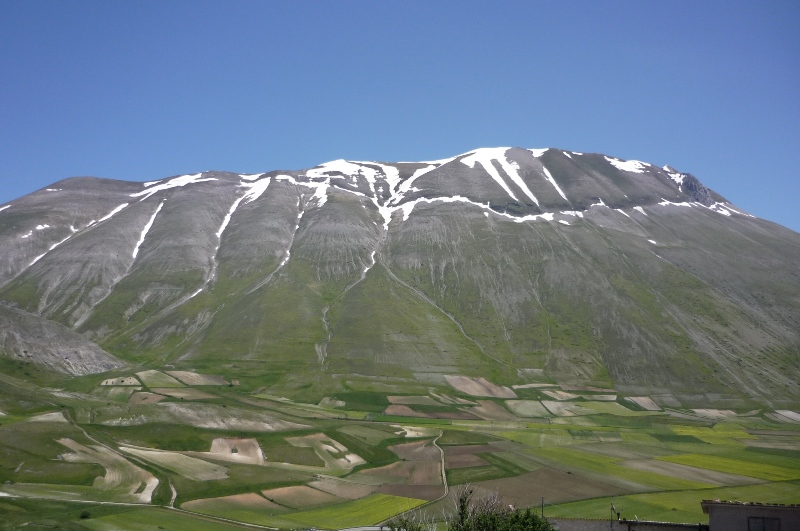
(519, 265)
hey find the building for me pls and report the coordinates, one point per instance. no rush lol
(739, 516)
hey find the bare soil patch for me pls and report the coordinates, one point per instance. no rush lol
(489, 410)
(192, 378)
(479, 387)
(412, 400)
(716, 414)
(122, 380)
(343, 488)
(559, 395)
(238, 450)
(213, 416)
(644, 402)
(408, 472)
(712, 477)
(553, 485)
(185, 393)
(301, 497)
(143, 397)
(527, 408)
(417, 451)
(564, 409)
(413, 432)
(533, 385)
(452, 400)
(600, 398)
(404, 411)
(54, 416)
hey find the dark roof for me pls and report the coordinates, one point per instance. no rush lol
(706, 503)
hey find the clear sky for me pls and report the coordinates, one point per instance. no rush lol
(148, 89)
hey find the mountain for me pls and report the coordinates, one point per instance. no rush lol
(518, 265)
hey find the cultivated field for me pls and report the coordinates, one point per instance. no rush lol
(248, 456)
(157, 379)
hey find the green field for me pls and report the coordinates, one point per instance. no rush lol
(676, 506)
(736, 466)
(371, 510)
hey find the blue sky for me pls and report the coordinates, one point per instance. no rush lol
(144, 90)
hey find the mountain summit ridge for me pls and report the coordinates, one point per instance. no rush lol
(578, 268)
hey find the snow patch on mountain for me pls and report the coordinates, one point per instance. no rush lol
(5, 207)
(407, 208)
(250, 176)
(633, 166)
(50, 249)
(640, 209)
(538, 152)
(255, 190)
(112, 213)
(664, 202)
(183, 180)
(554, 183)
(320, 188)
(484, 158)
(675, 175)
(146, 229)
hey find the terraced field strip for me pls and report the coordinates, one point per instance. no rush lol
(249, 507)
(301, 497)
(736, 466)
(123, 380)
(575, 460)
(123, 482)
(371, 436)
(158, 379)
(155, 518)
(614, 408)
(188, 467)
(644, 402)
(527, 408)
(540, 439)
(371, 510)
(479, 387)
(185, 393)
(192, 378)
